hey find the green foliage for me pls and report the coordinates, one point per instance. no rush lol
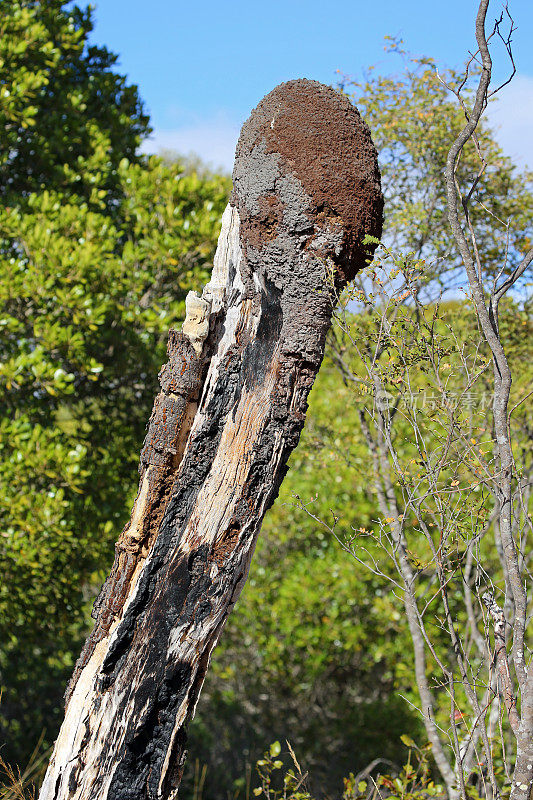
(66, 117)
(292, 785)
(414, 781)
(97, 251)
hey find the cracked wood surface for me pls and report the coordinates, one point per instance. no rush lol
(231, 408)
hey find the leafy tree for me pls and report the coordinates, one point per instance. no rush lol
(67, 118)
(98, 248)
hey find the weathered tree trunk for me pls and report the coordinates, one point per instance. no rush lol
(230, 411)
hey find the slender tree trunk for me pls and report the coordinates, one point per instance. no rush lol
(232, 404)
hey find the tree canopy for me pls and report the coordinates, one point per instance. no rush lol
(67, 117)
(98, 247)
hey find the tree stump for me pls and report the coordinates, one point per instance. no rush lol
(231, 408)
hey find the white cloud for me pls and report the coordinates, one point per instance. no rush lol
(512, 116)
(214, 140)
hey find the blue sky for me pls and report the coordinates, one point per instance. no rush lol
(202, 66)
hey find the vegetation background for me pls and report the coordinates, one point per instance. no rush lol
(98, 246)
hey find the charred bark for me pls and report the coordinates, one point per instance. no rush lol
(231, 408)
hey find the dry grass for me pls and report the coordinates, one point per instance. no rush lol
(17, 785)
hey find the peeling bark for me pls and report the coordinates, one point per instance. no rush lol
(231, 408)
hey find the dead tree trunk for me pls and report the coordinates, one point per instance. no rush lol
(230, 411)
